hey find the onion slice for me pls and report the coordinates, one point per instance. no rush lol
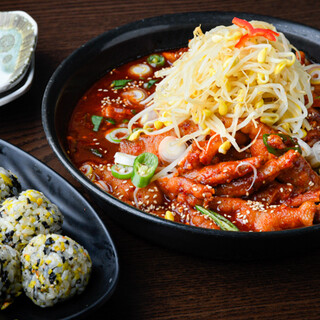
(134, 96)
(124, 159)
(255, 175)
(314, 72)
(140, 70)
(171, 149)
(117, 135)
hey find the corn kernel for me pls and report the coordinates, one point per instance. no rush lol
(280, 66)
(166, 114)
(228, 85)
(207, 112)
(158, 124)
(223, 108)
(262, 78)
(259, 104)
(269, 120)
(135, 135)
(168, 123)
(303, 133)
(224, 147)
(32, 284)
(169, 215)
(240, 96)
(262, 55)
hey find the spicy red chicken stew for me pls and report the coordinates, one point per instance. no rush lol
(223, 134)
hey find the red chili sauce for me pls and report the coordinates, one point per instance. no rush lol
(93, 154)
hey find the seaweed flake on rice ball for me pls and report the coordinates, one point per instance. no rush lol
(9, 184)
(10, 275)
(30, 214)
(54, 268)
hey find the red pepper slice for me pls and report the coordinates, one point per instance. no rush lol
(242, 41)
(243, 24)
(252, 32)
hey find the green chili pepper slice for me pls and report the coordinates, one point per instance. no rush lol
(144, 167)
(120, 171)
(96, 121)
(219, 220)
(119, 84)
(156, 60)
(284, 137)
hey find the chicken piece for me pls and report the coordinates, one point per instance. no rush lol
(125, 191)
(284, 217)
(267, 173)
(191, 160)
(116, 112)
(224, 172)
(301, 176)
(145, 143)
(210, 149)
(190, 216)
(255, 130)
(175, 185)
(259, 217)
(150, 143)
(312, 195)
(273, 193)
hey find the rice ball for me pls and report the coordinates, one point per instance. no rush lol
(9, 184)
(54, 268)
(10, 275)
(26, 216)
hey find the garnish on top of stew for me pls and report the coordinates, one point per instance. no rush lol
(223, 134)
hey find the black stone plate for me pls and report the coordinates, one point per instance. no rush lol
(81, 223)
(94, 59)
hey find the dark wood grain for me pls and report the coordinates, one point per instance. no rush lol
(155, 282)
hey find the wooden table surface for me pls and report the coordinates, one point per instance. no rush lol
(156, 282)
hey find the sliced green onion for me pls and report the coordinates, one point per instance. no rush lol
(219, 220)
(110, 120)
(284, 137)
(119, 84)
(144, 167)
(113, 136)
(150, 83)
(96, 121)
(156, 60)
(121, 172)
(96, 152)
(124, 159)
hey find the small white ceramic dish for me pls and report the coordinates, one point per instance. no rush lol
(22, 87)
(18, 39)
